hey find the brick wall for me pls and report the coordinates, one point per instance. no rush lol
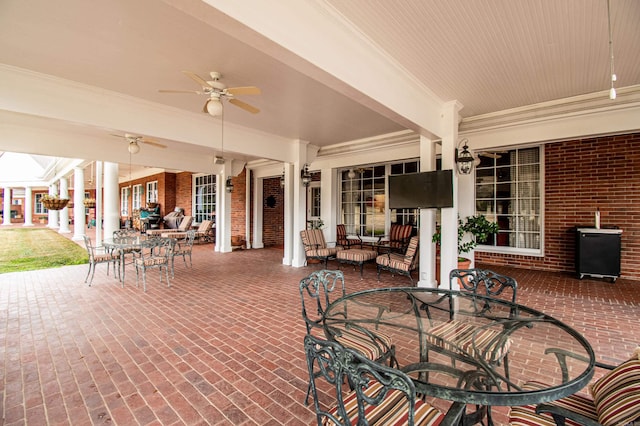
(182, 193)
(580, 176)
(273, 213)
(238, 205)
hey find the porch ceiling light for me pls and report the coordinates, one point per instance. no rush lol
(464, 159)
(305, 175)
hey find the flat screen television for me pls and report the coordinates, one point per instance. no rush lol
(427, 190)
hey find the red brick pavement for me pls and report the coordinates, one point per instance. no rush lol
(222, 345)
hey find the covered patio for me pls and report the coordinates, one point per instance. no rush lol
(222, 345)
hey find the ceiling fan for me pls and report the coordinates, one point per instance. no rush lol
(134, 142)
(217, 92)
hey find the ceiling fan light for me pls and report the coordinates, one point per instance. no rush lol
(214, 107)
(134, 148)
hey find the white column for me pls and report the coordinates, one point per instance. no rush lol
(53, 214)
(111, 199)
(78, 204)
(99, 203)
(328, 208)
(6, 207)
(427, 267)
(28, 206)
(247, 208)
(223, 210)
(64, 213)
(449, 216)
(299, 210)
(288, 214)
(258, 212)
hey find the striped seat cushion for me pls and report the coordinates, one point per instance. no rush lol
(356, 255)
(361, 342)
(329, 251)
(617, 394)
(151, 261)
(526, 415)
(395, 261)
(392, 411)
(454, 336)
(106, 257)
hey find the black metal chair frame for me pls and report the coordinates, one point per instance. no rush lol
(339, 365)
(395, 271)
(317, 287)
(560, 414)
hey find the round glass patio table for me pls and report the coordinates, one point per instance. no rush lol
(532, 344)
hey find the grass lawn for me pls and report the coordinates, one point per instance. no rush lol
(38, 248)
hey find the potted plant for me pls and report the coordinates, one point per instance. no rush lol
(53, 202)
(478, 227)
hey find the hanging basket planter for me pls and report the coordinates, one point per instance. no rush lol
(54, 203)
(89, 202)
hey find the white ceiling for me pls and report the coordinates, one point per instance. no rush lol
(488, 55)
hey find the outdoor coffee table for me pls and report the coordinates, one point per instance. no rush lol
(356, 257)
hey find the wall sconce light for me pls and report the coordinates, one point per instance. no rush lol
(282, 179)
(229, 185)
(464, 159)
(305, 175)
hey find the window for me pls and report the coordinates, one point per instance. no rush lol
(136, 202)
(363, 201)
(313, 206)
(124, 201)
(204, 187)
(405, 216)
(508, 190)
(152, 192)
(40, 208)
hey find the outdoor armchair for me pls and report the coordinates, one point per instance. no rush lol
(315, 291)
(154, 253)
(380, 394)
(401, 264)
(399, 237)
(342, 240)
(183, 247)
(614, 399)
(315, 247)
(99, 255)
(184, 226)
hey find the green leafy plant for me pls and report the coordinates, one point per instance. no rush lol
(478, 227)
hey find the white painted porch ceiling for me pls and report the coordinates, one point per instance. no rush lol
(489, 55)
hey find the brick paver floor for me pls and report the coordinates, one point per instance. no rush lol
(222, 345)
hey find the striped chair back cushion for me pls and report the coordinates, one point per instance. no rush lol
(312, 239)
(185, 224)
(341, 232)
(399, 235)
(617, 394)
